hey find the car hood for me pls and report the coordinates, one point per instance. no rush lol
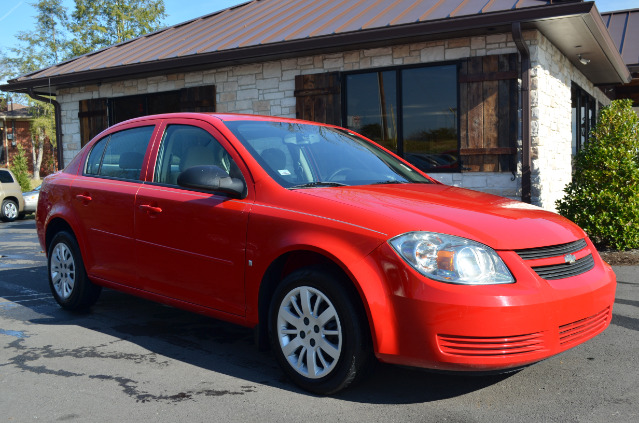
(501, 223)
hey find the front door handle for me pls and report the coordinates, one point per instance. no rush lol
(150, 209)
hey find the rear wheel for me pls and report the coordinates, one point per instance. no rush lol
(8, 210)
(68, 280)
(317, 332)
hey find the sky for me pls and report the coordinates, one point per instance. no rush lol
(18, 15)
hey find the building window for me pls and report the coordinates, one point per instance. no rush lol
(371, 106)
(96, 115)
(411, 111)
(584, 117)
(125, 108)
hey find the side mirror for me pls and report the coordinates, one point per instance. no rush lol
(211, 178)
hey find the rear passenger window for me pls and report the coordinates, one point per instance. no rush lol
(120, 155)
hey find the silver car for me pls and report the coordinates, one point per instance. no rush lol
(31, 200)
(11, 201)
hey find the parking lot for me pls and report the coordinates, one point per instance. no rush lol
(133, 360)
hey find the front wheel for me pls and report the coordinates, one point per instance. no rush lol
(68, 279)
(9, 211)
(317, 332)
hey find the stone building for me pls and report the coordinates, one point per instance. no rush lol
(495, 96)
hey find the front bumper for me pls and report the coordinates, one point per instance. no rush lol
(450, 327)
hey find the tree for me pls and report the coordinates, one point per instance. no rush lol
(45, 45)
(42, 129)
(20, 169)
(100, 23)
(93, 24)
(603, 197)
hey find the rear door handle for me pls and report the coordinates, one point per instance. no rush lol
(83, 197)
(150, 209)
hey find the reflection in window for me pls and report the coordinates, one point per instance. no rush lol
(411, 111)
(372, 106)
(120, 155)
(297, 154)
(584, 117)
(429, 118)
(185, 146)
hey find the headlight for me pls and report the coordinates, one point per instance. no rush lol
(452, 259)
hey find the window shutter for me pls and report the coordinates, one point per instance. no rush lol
(93, 118)
(198, 99)
(488, 113)
(319, 98)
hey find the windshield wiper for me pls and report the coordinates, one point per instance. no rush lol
(319, 184)
(393, 181)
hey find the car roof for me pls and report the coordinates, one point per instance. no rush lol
(215, 116)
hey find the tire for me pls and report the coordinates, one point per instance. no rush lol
(9, 210)
(68, 279)
(325, 346)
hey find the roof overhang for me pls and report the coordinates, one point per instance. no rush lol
(575, 28)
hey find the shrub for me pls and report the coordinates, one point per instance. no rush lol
(20, 168)
(603, 197)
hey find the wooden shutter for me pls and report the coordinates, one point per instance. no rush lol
(93, 118)
(319, 98)
(489, 113)
(198, 99)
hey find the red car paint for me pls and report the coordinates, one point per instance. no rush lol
(210, 254)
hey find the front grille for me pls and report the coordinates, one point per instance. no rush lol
(584, 328)
(471, 346)
(566, 270)
(561, 269)
(552, 251)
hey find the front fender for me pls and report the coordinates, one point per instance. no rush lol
(272, 234)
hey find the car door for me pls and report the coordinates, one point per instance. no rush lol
(191, 244)
(103, 198)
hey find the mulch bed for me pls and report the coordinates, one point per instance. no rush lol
(620, 258)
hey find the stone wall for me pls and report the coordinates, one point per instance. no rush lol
(268, 88)
(551, 126)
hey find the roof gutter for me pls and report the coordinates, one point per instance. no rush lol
(58, 123)
(526, 179)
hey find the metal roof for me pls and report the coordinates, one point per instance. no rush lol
(624, 30)
(269, 29)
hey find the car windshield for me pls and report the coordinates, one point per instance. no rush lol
(298, 155)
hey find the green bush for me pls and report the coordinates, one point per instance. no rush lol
(20, 168)
(603, 197)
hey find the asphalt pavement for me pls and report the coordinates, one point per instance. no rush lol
(131, 360)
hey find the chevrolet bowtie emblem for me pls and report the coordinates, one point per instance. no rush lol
(570, 259)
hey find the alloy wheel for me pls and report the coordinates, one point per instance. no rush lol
(309, 332)
(10, 210)
(63, 270)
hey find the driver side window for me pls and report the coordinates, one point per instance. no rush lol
(185, 146)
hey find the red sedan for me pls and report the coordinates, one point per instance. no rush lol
(334, 249)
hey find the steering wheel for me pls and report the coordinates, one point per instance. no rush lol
(337, 172)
